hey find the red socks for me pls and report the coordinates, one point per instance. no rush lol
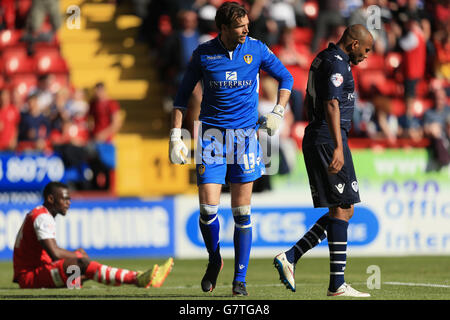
(110, 275)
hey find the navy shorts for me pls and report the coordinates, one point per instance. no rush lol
(228, 156)
(330, 190)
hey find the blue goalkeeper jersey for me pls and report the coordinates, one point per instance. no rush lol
(230, 81)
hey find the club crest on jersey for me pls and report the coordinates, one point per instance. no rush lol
(337, 79)
(248, 58)
(201, 169)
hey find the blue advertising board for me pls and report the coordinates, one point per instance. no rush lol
(27, 172)
(104, 228)
(279, 226)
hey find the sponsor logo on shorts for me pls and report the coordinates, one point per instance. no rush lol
(355, 186)
(340, 187)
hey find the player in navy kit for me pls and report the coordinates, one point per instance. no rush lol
(330, 102)
(228, 150)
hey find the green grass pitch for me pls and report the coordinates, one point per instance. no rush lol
(401, 278)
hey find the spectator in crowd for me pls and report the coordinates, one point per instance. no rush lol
(70, 135)
(435, 128)
(362, 16)
(7, 14)
(57, 110)
(383, 124)
(38, 12)
(206, 13)
(175, 56)
(107, 120)
(296, 58)
(45, 96)
(105, 113)
(329, 17)
(279, 148)
(414, 60)
(441, 41)
(283, 13)
(261, 25)
(33, 127)
(9, 121)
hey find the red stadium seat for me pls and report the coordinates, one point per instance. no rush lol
(10, 38)
(49, 60)
(300, 77)
(398, 107)
(16, 60)
(23, 83)
(421, 105)
(373, 62)
(369, 78)
(303, 35)
(393, 61)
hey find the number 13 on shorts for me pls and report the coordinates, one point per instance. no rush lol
(249, 161)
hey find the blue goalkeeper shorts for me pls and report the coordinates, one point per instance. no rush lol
(228, 155)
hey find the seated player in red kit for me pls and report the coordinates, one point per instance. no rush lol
(40, 263)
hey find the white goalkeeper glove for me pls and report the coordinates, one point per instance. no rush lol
(272, 121)
(177, 149)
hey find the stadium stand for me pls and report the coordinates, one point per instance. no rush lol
(122, 43)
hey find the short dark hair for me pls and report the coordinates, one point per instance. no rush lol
(99, 85)
(51, 188)
(229, 12)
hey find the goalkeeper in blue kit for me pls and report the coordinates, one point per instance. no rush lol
(228, 67)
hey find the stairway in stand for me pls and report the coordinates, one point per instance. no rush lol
(105, 49)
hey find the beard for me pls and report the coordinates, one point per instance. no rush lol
(353, 58)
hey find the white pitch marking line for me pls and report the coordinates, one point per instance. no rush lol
(417, 284)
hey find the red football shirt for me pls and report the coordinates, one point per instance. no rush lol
(9, 119)
(28, 254)
(102, 112)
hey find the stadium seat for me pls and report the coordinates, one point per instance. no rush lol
(393, 61)
(303, 35)
(300, 77)
(398, 107)
(10, 38)
(15, 60)
(368, 79)
(421, 105)
(49, 60)
(373, 62)
(23, 83)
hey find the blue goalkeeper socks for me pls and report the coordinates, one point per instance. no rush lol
(242, 241)
(210, 227)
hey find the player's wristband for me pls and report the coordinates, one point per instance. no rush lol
(175, 134)
(278, 110)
